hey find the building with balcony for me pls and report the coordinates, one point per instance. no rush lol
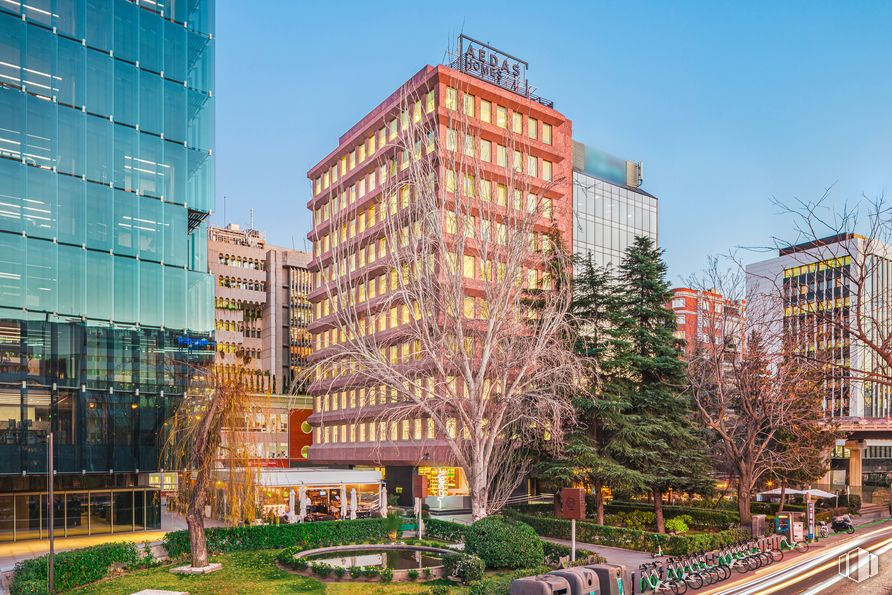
(106, 178)
(505, 124)
(262, 316)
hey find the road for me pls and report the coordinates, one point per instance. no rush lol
(817, 570)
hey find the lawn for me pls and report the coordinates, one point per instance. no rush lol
(246, 573)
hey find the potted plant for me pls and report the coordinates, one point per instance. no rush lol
(392, 523)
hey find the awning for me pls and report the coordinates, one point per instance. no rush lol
(777, 492)
(317, 477)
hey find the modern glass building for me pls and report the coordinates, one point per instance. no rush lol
(106, 178)
(609, 207)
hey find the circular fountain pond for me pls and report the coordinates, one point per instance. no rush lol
(399, 558)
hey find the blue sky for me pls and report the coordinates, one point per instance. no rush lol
(727, 104)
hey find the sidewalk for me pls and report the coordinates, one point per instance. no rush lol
(631, 559)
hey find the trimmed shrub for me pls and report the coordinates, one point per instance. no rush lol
(74, 568)
(445, 530)
(554, 552)
(501, 584)
(504, 543)
(412, 574)
(467, 567)
(386, 575)
(678, 524)
(258, 537)
(644, 541)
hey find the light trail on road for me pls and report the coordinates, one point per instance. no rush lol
(800, 571)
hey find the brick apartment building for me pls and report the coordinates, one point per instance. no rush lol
(706, 316)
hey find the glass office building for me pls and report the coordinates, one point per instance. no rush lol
(106, 178)
(609, 207)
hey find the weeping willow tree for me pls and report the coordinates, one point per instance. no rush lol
(207, 434)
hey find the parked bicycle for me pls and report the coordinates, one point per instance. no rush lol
(652, 579)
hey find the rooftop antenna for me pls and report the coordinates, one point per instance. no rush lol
(292, 243)
(251, 226)
(224, 210)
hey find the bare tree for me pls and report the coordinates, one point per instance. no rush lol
(758, 399)
(454, 312)
(204, 436)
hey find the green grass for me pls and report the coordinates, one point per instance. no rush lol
(245, 573)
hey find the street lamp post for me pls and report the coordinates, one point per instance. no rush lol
(50, 506)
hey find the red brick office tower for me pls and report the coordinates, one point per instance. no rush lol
(354, 175)
(706, 316)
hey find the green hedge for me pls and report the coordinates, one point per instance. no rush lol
(644, 541)
(73, 568)
(259, 537)
(445, 530)
(504, 543)
(701, 518)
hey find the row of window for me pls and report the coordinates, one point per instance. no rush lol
(249, 284)
(376, 141)
(492, 113)
(483, 149)
(241, 262)
(380, 431)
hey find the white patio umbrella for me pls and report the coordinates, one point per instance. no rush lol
(302, 501)
(382, 500)
(353, 504)
(343, 501)
(777, 492)
(291, 514)
(816, 493)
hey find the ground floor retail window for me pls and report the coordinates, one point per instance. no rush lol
(26, 516)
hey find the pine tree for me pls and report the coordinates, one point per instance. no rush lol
(588, 457)
(657, 437)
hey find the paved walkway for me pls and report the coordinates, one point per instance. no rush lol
(631, 559)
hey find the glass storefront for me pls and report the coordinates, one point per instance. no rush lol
(25, 516)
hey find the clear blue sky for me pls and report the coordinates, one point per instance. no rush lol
(727, 104)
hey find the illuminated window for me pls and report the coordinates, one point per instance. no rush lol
(467, 266)
(391, 130)
(469, 105)
(501, 156)
(451, 141)
(486, 111)
(532, 166)
(533, 128)
(469, 145)
(450, 181)
(417, 429)
(547, 170)
(416, 112)
(517, 122)
(546, 133)
(518, 161)
(486, 150)
(501, 116)
(429, 102)
(451, 98)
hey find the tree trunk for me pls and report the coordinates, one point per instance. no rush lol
(783, 496)
(599, 502)
(478, 498)
(658, 509)
(744, 487)
(195, 522)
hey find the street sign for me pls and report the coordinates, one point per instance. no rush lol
(573, 503)
(419, 486)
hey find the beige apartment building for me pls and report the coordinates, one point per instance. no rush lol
(262, 315)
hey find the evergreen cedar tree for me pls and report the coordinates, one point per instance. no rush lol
(635, 421)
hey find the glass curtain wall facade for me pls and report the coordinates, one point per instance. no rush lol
(607, 218)
(106, 178)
